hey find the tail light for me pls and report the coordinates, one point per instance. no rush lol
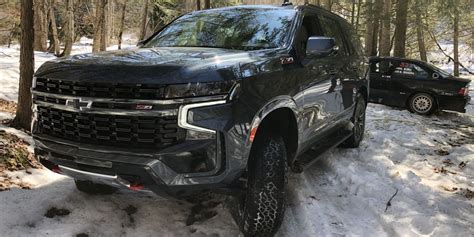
(463, 91)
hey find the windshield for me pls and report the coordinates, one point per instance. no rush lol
(241, 29)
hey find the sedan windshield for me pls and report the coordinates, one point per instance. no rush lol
(241, 29)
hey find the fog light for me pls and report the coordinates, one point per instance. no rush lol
(196, 135)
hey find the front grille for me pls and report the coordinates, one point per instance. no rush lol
(111, 130)
(101, 90)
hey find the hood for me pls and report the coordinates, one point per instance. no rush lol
(150, 65)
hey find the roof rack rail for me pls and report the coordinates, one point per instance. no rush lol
(286, 3)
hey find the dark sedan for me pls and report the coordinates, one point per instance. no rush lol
(419, 86)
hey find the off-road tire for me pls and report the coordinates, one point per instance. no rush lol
(422, 103)
(94, 188)
(261, 208)
(358, 119)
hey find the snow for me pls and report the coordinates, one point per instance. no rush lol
(345, 193)
(10, 61)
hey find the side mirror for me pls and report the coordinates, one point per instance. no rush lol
(321, 46)
(141, 43)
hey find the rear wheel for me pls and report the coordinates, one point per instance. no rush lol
(358, 119)
(260, 210)
(90, 187)
(422, 103)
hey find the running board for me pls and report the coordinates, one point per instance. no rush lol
(314, 153)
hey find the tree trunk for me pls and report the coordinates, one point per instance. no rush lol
(198, 5)
(99, 14)
(353, 12)
(207, 4)
(400, 28)
(104, 29)
(359, 3)
(369, 27)
(23, 110)
(122, 20)
(456, 39)
(328, 5)
(385, 31)
(419, 30)
(54, 30)
(69, 31)
(144, 21)
(40, 26)
(377, 12)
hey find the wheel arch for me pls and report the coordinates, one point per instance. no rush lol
(277, 117)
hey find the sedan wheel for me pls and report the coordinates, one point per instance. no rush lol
(422, 103)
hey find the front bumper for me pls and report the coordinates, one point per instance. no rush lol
(127, 170)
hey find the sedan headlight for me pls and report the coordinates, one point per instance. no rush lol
(198, 89)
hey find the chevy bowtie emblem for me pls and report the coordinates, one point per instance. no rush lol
(79, 104)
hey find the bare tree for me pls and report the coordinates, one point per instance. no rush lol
(359, 3)
(40, 26)
(23, 111)
(122, 20)
(55, 46)
(207, 4)
(104, 29)
(384, 44)
(144, 21)
(456, 38)
(419, 30)
(99, 19)
(400, 28)
(69, 29)
(369, 27)
(373, 13)
(198, 5)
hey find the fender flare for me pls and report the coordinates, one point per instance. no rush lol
(270, 106)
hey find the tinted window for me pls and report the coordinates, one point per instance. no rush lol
(405, 69)
(243, 29)
(332, 29)
(411, 70)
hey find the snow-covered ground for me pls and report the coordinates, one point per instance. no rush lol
(416, 158)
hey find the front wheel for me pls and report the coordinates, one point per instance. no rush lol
(261, 208)
(358, 119)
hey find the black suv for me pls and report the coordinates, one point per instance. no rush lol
(221, 100)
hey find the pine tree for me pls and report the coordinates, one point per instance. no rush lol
(400, 28)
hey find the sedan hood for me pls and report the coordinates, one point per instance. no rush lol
(150, 65)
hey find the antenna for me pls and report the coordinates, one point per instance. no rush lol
(286, 3)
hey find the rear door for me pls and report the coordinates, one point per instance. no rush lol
(407, 78)
(345, 67)
(381, 82)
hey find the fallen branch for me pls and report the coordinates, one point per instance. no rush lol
(5, 54)
(389, 203)
(450, 58)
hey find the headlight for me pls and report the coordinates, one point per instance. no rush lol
(198, 89)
